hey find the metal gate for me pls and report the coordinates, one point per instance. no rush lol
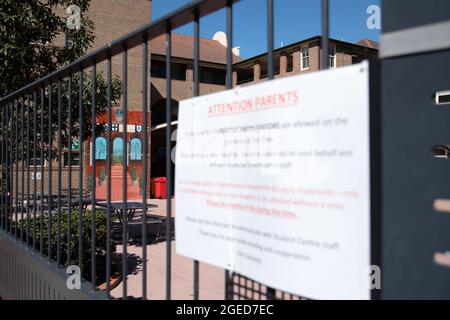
(40, 221)
(41, 217)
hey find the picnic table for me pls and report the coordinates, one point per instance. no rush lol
(85, 201)
(132, 207)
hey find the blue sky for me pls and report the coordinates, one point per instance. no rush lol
(294, 20)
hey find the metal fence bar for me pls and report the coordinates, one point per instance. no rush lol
(325, 33)
(35, 111)
(28, 170)
(49, 156)
(229, 85)
(80, 177)
(16, 148)
(41, 213)
(144, 165)
(124, 172)
(108, 168)
(270, 73)
(196, 93)
(270, 39)
(2, 157)
(4, 171)
(9, 160)
(22, 162)
(7, 173)
(93, 214)
(69, 173)
(4, 179)
(11, 167)
(168, 161)
(58, 239)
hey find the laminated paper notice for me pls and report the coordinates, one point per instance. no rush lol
(272, 181)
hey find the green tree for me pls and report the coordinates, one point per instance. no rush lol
(32, 44)
(32, 40)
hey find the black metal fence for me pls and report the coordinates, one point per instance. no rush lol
(39, 125)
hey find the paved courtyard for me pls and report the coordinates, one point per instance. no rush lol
(212, 279)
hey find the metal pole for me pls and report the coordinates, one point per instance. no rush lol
(168, 162)
(80, 174)
(196, 93)
(144, 165)
(58, 248)
(69, 174)
(49, 155)
(93, 214)
(108, 168)
(229, 85)
(124, 172)
(325, 33)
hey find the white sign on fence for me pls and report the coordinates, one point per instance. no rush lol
(272, 182)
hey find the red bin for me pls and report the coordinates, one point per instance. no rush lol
(160, 187)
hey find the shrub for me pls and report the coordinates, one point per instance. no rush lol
(134, 174)
(102, 174)
(100, 239)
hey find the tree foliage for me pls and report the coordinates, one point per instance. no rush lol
(51, 130)
(32, 40)
(32, 44)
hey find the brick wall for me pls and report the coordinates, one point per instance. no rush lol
(112, 20)
(344, 56)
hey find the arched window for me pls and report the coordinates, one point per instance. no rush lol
(100, 148)
(118, 150)
(135, 149)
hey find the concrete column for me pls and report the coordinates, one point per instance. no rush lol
(257, 71)
(190, 73)
(283, 65)
(296, 60)
(315, 54)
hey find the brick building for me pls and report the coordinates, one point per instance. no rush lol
(113, 19)
(303, 56)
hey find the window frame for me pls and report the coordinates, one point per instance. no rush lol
(38, 165)
(332, 48)
(66, 163)
(302, 57)
(106, 148)
(140, 146)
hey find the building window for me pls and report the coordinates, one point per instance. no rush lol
(332, 57)
(135, 149)
(212, 76)
(305, 57)
(38, 162)
(178, 70)
(357, 59)
(118, 151)
(263, 70)
(100, 148)
(289, 63)
(245, 75)
(74, 158)
(277, 65)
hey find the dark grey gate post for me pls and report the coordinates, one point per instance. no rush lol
(415, 64)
